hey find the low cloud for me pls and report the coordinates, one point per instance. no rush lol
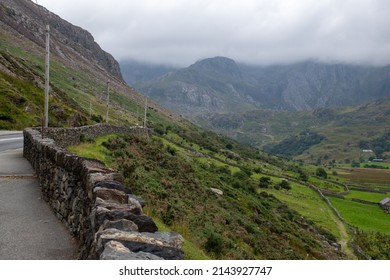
(257, 32)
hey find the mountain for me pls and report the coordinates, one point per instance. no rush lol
(203, 185)
(323, 135)
(134, 71)
(79, 72)
(221, 85)
(71, 42)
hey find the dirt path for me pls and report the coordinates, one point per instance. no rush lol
(344, 238)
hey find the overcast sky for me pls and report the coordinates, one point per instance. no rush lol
(251, 31)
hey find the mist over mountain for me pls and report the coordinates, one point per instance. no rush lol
(221, 85)
(134, 71)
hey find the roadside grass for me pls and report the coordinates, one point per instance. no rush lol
(363, 216)
(93, 150)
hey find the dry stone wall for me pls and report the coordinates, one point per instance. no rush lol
(104, 216)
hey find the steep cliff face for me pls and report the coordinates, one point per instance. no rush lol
(67, 41)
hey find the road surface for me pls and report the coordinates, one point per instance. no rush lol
(29, 230)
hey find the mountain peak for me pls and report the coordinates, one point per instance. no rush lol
(218, 64)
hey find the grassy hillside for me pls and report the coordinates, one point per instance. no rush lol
(245, 222)
(182, 168)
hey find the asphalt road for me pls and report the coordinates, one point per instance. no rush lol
(29, 230)
(10, 140)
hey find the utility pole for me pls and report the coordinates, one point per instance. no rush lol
(90, 109)
(108, 100)
(146, 105)
(137, 123)
(47, 76)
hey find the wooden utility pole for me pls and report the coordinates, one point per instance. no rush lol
(47, 76)
(108, 100)
(146, 105)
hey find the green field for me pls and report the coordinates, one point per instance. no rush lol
(309, 204)
(368, 196)
(365, 217)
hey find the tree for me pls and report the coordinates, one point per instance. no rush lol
(285, 185)
(264, 182)
(320, 172)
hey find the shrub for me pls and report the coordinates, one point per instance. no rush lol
(285, 185)
(214, 243)
(320, 172)
(264, 182)
(171, 150)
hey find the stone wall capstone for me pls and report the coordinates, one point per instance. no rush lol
(91, 200)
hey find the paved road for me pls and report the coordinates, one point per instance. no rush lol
(28, 228)
(11, 140)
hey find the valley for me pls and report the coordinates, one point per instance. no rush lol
(214, 181)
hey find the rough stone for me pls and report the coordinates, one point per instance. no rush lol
(112, 185)
(135, 209)
(114, 250)
(167, 245)
(138, 198)
(123, 225)
(144, 223)
(216, 191)
(111, 195)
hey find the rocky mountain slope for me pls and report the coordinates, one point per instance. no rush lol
(221, 85)
(70, 42)
(79, 71)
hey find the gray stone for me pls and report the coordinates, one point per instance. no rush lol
(112, 185)
(139, 199)
(216, 191)
(123, 225)
(144, 223)
(133, 208)
(167, 245)
(116, 251)
(111, 195)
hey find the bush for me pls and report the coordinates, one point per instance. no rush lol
(264, 182)
(214, 243)
(97, 118)
(171, 150)
(285, 185)
(320, 172)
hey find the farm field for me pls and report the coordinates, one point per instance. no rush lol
(363, 216)
(368, 196)
(309, 204)
(377, 179)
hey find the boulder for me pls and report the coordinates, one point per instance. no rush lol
(216, 191)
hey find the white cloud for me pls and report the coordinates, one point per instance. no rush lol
(251, 31)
